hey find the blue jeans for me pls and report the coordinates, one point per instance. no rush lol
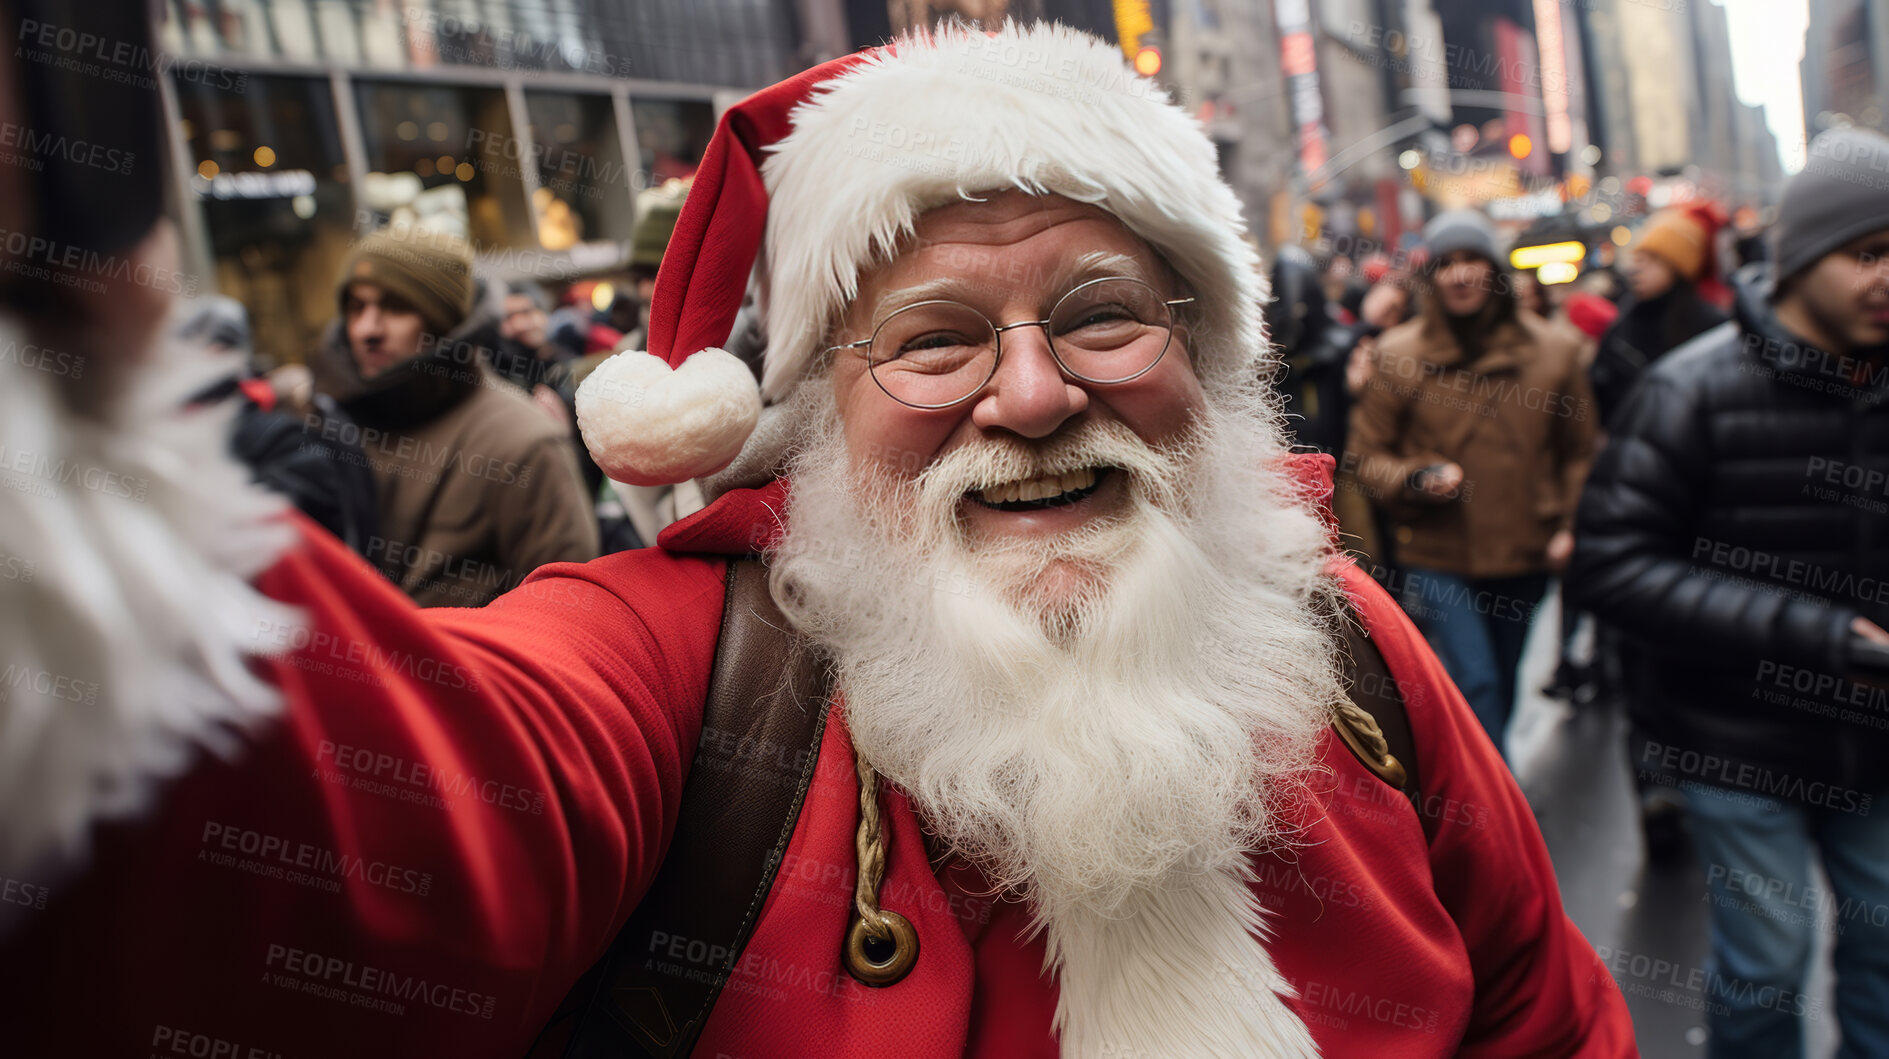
(1765, 911)
(1477, 627)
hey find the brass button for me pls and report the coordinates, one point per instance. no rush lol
(880, 962)
(1404, 534)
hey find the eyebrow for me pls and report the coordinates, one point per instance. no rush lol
(1096, 264)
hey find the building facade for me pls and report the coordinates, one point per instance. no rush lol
(1845, 47)
(524, 127)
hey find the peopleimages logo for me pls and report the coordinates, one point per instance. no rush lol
(513, 49)
(55, 145)
(38, 257)
(1692, 766)
(276, 857)
(82, 52)
(1763, 566)
(420, 776)
(363, 985)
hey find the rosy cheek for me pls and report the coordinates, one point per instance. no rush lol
(1160, 405)
(879, 432)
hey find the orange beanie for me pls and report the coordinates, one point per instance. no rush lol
(1680, 240)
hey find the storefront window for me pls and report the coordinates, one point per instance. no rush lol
(585, 188)
(349, 33)
(671, 135)
(272, 184)
(723, 42)
(445, 158)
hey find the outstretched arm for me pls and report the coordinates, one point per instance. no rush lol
(443, 827)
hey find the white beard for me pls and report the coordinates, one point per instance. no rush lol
(127, 542)
(1114, 754)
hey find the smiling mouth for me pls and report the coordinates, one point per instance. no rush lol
(1043, 491)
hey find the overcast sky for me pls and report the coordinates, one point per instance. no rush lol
(1767, 42)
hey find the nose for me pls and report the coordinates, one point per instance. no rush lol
(1029, 395)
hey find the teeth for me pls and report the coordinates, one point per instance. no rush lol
(1040, 488)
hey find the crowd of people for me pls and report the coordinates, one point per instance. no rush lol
(1699, 460)
(1634, 435)
(434, 432)
(433, 426)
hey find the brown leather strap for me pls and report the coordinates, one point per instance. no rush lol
(761, 731)
(1369, 682)
(766, 713)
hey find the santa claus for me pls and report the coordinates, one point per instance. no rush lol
(1033, 730)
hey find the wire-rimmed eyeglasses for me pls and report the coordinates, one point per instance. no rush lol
(935, 354)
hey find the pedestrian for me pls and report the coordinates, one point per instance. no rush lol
(477, 486)
(1323, 366)
(1324, 363)
(1735, 530)
(1314, 349)
(1474, 437)
(525, 354)
(1674, 294)
(1034, 736)
(1575, 680)
(325, 478)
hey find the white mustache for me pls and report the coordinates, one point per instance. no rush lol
(1154, 472)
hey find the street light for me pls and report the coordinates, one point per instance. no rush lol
(1542, 255)
(1520, 146)
(1556, 272)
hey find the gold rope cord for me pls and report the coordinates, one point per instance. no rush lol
(870, 842)
(1364, 726)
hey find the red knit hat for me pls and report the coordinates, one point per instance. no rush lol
(1591, 313)
(809, 182)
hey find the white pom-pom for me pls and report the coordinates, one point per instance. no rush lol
(646, 424)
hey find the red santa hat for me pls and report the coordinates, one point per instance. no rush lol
(809, 182)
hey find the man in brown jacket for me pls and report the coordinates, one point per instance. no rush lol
(1474, 437)
(477, 485)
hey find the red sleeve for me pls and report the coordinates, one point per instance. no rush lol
(450, 821)
(1540, 990)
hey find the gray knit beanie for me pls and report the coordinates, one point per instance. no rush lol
(1841, 195)
(1464, 229)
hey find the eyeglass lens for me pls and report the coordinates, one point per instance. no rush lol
(937, 353)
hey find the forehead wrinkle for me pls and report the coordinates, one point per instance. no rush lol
(1096, 264)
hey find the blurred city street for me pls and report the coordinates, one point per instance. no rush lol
(1571, 761)
(575, 528)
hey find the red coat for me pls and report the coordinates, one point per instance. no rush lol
(460, 808)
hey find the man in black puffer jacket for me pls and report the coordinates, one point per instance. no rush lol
(1736, 529)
